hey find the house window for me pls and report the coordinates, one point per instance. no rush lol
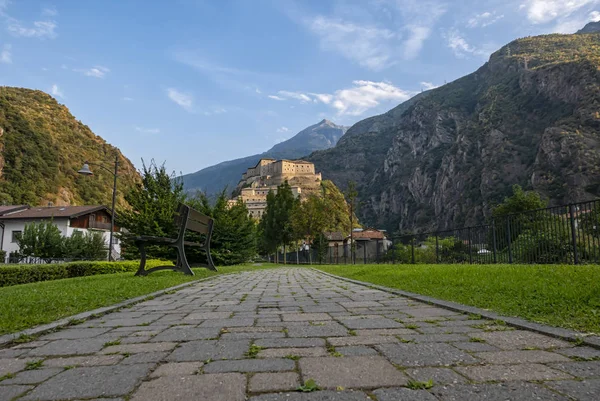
(16, 235)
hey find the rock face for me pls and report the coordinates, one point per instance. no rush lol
(530, 116)
(591, 27)
(41, 148)
(215, 178)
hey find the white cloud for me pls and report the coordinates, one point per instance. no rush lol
(572, 25)
(354, 101)
(484, 19)
(274, 97)
(50, 12)
(304, 98)
(428, 85)
(147, 130)
(544, 11)
(460, 46)
(6, 55)
(95, 72)
(183, 99)
(56, 91)
(282, 129)
(368, 46)
(414, 43)
(40, 29)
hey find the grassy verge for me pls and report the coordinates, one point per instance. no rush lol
(29, 305)
(559, 295)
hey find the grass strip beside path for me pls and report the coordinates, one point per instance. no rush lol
(28, 305)
(559, 295)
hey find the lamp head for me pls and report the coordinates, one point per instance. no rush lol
(85, 170)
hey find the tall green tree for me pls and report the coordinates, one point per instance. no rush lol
(153, 202)
(43, 240)
(88, 246)
(234, 236)
(520, 201)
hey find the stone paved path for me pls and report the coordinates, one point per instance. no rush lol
(260, 335)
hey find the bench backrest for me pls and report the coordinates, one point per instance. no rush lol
(187, 218)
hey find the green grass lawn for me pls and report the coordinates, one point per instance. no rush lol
(27, 305)
(559, 295)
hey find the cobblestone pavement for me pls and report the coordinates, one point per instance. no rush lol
(260, 335)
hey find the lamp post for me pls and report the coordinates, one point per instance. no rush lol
(85, 170)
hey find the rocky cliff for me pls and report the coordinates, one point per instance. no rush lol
(213, 179)
(529, 116)
(42, 146)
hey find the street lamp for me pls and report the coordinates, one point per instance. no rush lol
(85, 170)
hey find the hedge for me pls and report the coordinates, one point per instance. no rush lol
(23, 274)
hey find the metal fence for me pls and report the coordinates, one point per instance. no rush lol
(568, 234)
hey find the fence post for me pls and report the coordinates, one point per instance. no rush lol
(510, 255)
(377, 250)
(412, 249)
(470, 247)
(437, 255)
(494, 239)
(573, 233)
(365, 253)
(393, 252)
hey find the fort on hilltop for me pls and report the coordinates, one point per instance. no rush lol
(257, 181)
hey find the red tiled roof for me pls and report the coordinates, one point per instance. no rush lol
(11, 208)
(334, 236)
(54, 212)
(369, 233)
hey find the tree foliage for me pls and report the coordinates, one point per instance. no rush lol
(277, 225)
(520, 201)
(153, 203)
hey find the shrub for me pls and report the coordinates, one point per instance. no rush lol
(23, 274)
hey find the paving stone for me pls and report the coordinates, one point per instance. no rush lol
(74, 334)
(184, 333)
(356, 350)
(305, 317)
(145, 357)
(403, 394)
(315, 396)
(513, 391)
(379, 323)
(69, 347)
(32, 376)
(250, 365)
(580, 352)
(93, 360)
(358, 304)
(31, 344)
(13, 365)
(233, 322)
(208, 387)
(475, 347)
(580, 369)
(429, 312)
(532, 371)
(137, 348)
(512, 357)
(263, 382)
(290, 342)
(351, 372)
(585, 390)
(361, 340)
(177, 369)
(385, 332)
(520, 339)
(283, 352)
(10, 353)
(256, 335)
(207, 315)
(209, 349)
(429, 354)
(10, 392)
(323, 329)
(255, 329)
(438, 375)
(99, 381)
(436, 338)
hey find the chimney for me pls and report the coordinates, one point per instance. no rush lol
(50, 204)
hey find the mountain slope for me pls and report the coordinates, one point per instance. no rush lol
(212, 179)
(42, 146)
(529, 116)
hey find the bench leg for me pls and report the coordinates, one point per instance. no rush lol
(182, 263)
(209, 261)
(142, 270)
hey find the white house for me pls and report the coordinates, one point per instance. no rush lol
(68, 219)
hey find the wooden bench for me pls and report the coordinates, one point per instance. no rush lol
(186, 219)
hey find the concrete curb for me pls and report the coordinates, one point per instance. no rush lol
(42, 329)
(556, 332)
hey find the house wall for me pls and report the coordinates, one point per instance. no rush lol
(63, 225)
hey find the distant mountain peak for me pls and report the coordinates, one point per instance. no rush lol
(590, 27)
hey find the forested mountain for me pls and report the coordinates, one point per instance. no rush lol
(529, 116)
(42, 146)
(215, 178)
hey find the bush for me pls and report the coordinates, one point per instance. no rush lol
(23, 274)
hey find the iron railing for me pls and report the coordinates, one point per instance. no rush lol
(567, 234)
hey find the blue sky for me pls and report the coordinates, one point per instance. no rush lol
(195, 82)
